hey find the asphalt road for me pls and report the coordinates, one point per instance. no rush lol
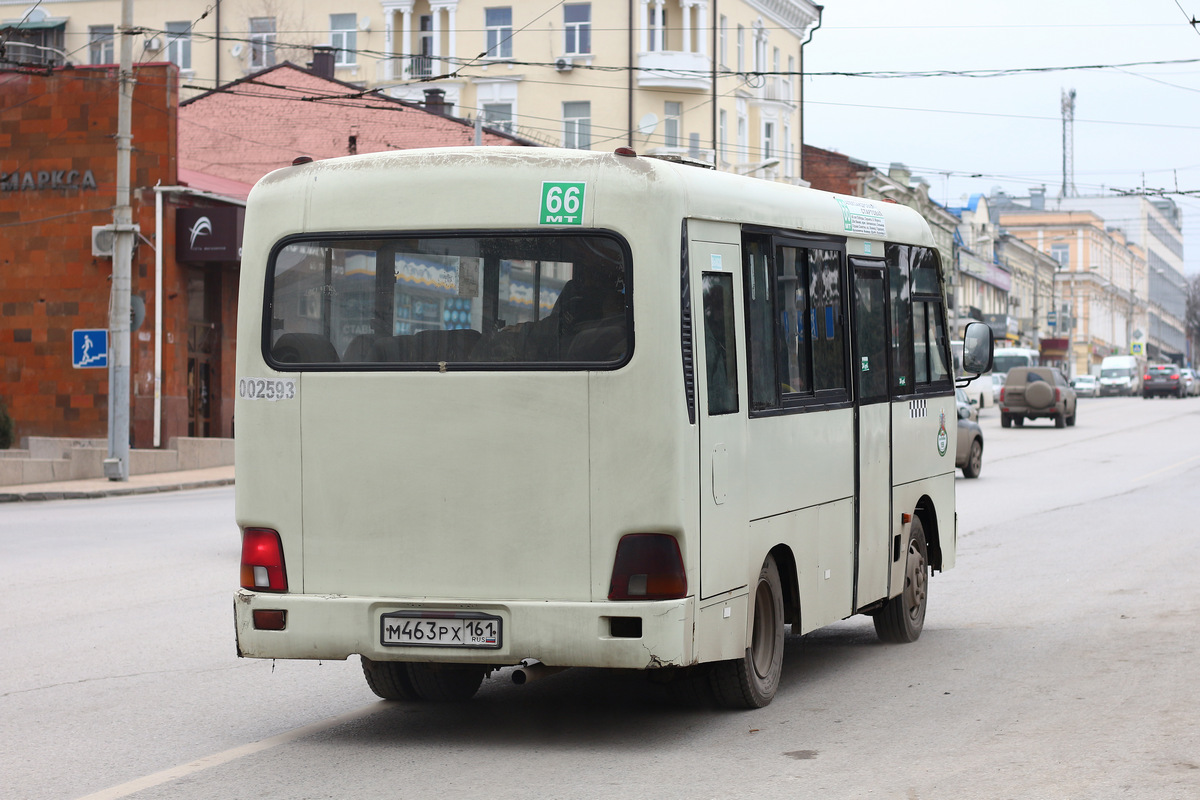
(1059, 660)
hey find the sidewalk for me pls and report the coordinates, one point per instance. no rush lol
(102, 487)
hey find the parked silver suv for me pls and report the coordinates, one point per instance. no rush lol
(1036, 393)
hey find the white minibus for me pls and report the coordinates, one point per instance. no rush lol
(556, 408)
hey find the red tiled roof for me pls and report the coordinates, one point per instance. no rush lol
(245, 129)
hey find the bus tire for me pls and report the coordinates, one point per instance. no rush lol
(445, 683)
(902, 618)
(389, 679)
(751, 681)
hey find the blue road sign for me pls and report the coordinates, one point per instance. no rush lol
(89, 348)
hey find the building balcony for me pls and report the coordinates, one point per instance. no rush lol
(672, 69)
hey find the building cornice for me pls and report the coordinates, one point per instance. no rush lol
(795, 15)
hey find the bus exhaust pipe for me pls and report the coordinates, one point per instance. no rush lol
(532, 671)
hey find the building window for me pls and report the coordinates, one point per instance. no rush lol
(498, 22)
(100, 44)
(741, 49)
(723, 41)
(768, 140)
(343, 37)
(723, 136)
(422, 64)
(179, 44)
(577, 24)
(789, 165)
(262, 42)
(741, 138)
(658, 28)
(577, 125)
(1061, 253)
(498, 116)
(671, 114)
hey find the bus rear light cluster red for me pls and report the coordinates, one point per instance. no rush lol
(648, 566)
(262, 561)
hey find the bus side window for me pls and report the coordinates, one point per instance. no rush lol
(720, 343)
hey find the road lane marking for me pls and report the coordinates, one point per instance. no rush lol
(1176, 465)
(217, 759)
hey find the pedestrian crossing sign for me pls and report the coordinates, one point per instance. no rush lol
(89, 348)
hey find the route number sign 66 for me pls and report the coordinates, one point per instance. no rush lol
(562, 203)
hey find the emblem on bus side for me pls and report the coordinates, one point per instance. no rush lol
(943, 439)
(562, 203)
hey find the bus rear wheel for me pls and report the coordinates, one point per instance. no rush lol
(902, 618)
(389, 679)
(439, 683)
(751, 681)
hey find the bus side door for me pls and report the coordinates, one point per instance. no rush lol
(720, 409)
(873, 430)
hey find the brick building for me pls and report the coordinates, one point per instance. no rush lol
(57, 182)
(193, 165)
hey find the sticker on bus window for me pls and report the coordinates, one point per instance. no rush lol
(266, 388)
(562, 203)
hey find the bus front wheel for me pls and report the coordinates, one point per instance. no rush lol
(902, 618)
(751, 681)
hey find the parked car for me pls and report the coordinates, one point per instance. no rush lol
(998, 384)
(1163, 380)
(1037, 393)
(1086, 386)
(968, 455)
(1193, 381)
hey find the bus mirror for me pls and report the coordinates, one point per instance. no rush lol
(977, 348)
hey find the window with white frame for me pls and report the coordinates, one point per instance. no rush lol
(262, 42)
(741, 49)
(100, 44)
(723, 135)
(1061, 253)
(577, 125)
(671, 113)
(723, 41)
(742, 144)
(343, 37)
(785, 149)
(787, 79)
(498, 116)
(179, 44)
(657, 28)
(768, 140)
(498, 24)
(577, 27)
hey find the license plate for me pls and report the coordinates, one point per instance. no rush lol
(439, 629)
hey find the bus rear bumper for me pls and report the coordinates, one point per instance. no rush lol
(621, 635)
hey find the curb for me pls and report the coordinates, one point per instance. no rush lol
(123, 491)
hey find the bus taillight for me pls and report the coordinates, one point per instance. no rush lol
(262, 561)
(648, 566)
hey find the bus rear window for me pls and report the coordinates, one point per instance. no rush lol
(542, 301)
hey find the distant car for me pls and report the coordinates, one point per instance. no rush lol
(1193, 381)
(997, 384)
(1164, 380)
(1037, 393)
(1086, 386)
(969, 454)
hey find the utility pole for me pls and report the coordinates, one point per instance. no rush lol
(116, 466)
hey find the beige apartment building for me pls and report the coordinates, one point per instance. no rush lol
(1099, 302)
(713, 82)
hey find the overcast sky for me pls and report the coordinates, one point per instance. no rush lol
(1134, 125)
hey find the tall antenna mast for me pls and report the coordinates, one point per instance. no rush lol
(1068, 144)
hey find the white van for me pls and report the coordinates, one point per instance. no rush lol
(1120, 375)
